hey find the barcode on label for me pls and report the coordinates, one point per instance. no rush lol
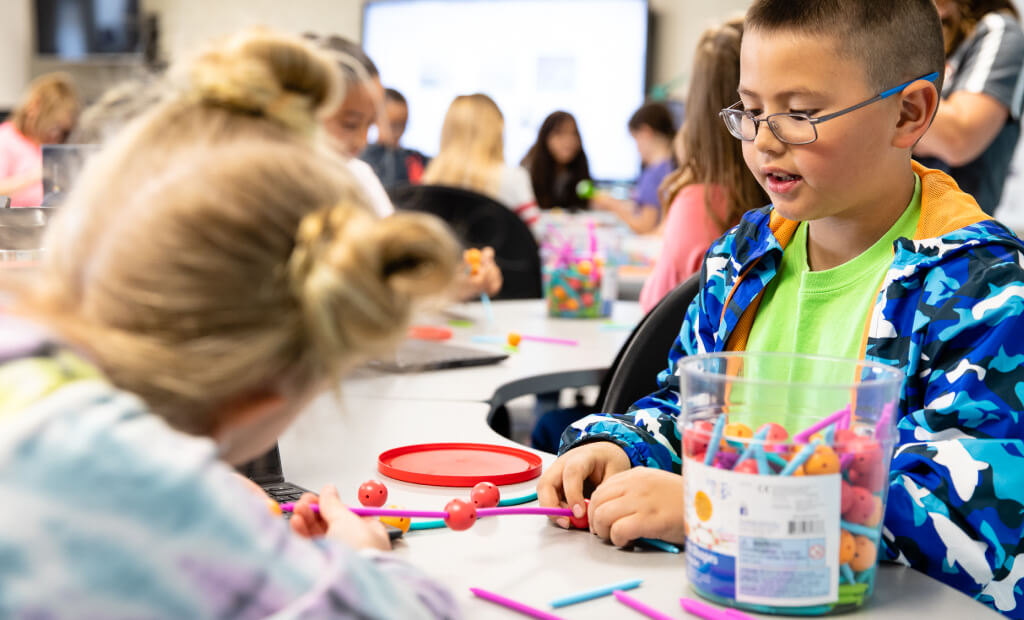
(807, 527)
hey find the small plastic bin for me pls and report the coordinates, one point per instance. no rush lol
(786, 468)
(580, 275)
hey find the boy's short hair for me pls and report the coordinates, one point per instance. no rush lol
(898, 40)
(655, 115)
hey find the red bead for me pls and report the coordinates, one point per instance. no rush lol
(461, 515)
(871, 479)
(867, 454)
(862, 508)
(485, 495)
(848, 499)
(373, 493)
(748, 466)
(696, 438)
(583, 523)
(776, 433)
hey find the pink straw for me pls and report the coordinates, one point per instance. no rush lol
(708, 612)
(643, 608)
(440, 514)
(883, 420)
(803, 435)
(565, 341)
(526, 610)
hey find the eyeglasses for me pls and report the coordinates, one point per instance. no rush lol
(796, 127)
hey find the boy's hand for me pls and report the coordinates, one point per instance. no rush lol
(562, 483)
(336, 521)
(639, 503)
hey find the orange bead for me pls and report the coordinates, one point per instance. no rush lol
(559, 293)
(865, 555)
(584, 267)
(473, 256)
(824, 461)
(401, 523)
(273, 507)
(876, 513)
(572, 304)
(737, 429)
(847, 547)
(514, 339)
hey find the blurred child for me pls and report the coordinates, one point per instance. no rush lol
(556, 163)
(472, 156)
(864, 254)
(350, 124)
(45, 115)
(712, 187)
(652, 128)
(211, 272)
(394, 164)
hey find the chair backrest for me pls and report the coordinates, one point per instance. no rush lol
(480, 221)
(634, 372)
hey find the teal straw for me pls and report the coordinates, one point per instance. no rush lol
(485, 299)
(716, 438)
(830, 435)
(762, 462)
(847, 573)
(751, 448)
(659, 544)
(859, 530)
(798, 460)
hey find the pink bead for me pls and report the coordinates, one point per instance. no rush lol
(485, 495)
(748, 466)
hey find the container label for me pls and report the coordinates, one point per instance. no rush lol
(769, 540)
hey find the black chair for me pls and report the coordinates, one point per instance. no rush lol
(480, 221)
(634, 373)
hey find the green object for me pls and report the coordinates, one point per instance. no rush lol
(460, 323)
(585, 189)
(823, 312)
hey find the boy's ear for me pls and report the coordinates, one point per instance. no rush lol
(918, 103)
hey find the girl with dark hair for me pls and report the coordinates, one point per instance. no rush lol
(652, 128)
(556, 163)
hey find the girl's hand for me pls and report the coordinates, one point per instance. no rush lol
(639, 503)
(562, 484)
(335, 520)
(484, 276)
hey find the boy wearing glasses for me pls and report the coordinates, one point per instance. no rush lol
(863, 254)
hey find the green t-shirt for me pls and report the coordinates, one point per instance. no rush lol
(824, 312)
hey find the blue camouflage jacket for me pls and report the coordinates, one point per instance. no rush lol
(950, 314)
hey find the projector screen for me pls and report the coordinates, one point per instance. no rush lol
(532, 57)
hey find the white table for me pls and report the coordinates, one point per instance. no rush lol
(525, 557)
(535, 369)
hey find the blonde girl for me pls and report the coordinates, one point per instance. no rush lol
(211, 272)
(45, 115)
(472, 156)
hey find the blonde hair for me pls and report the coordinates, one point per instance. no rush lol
(214, 248)
(707, 152)
(472, 146)
(50, 98)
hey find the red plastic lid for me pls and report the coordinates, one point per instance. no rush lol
(429, 332)
(459, 464)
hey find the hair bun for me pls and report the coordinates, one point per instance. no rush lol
(358, 277)
(280, 77)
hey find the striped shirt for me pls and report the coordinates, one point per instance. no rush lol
(515, 191)
(991, 62)
(113, 514)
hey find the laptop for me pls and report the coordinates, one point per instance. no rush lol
(266, 471)
(418, 355)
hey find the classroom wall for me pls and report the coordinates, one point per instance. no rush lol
(186, 23)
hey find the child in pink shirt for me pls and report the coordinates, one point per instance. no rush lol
(45, 116)
(712, 187)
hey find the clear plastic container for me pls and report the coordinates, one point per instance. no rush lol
(786, 468)
(579, 271)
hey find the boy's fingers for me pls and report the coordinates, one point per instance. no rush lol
(331, 506)
(605, 514)
(627, 529)
(573, 475)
